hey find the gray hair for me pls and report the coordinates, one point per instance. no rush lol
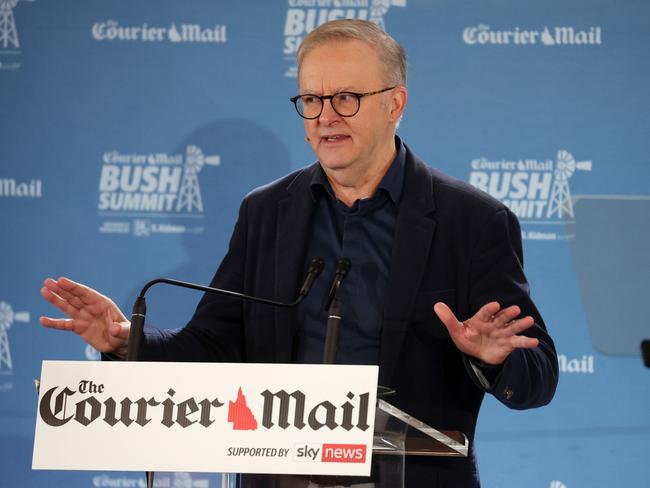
(391, 54)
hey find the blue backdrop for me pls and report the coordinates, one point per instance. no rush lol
(130, 131)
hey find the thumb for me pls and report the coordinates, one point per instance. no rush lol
(447, 317)
(120, 330)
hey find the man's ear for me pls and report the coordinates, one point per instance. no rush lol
(399, 97)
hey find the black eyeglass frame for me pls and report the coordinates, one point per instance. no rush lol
(322, 99)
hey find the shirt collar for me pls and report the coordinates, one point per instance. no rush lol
(391, 183)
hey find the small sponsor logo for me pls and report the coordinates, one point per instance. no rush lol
(307, 452)
(148, 194)
(483, 34)
(537, 191)
(344, 453)
(12, 188)
(580, 365)
(112, 30)
(303, 16)
(330, 453)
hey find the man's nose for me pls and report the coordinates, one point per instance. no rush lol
(328, 114)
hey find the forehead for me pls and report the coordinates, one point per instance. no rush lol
(337, 65)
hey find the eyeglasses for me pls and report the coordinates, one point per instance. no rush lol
(345, 103)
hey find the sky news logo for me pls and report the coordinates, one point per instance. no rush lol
(330, 453)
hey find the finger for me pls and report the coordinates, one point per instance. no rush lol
(488, 311)
(54, 287)
(507, 315)
(87, 295)
(523, 342)
(446, 316)
(59, 324)
(59, 302)
(514, 327)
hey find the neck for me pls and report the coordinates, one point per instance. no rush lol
(349, 185)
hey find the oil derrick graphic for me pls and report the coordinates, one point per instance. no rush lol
(8, 32)
(378, 9)
(560, 202)
(7, 318)
(189, 197)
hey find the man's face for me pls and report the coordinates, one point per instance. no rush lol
(365, 140)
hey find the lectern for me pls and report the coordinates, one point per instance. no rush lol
(397, 435)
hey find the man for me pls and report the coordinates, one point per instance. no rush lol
(415, 238)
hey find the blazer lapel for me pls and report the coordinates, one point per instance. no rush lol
(411, 247)
(293, 225)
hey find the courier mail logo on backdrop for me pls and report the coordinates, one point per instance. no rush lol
(152, 193)
(303, 16)
(537, 191)
(163, 480)
(112, 30)
(483, 34)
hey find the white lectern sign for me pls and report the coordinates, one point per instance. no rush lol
(210, 417)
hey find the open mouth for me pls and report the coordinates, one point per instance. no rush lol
(334, 138)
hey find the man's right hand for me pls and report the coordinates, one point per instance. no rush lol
(92, 315)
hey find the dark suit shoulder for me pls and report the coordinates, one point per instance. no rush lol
(462, 193)
(282, 187)
(452, 195)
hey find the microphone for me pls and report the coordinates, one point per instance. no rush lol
(335, 312)
(645, 352)
(315, 268)
(140, 307)
(342, 268)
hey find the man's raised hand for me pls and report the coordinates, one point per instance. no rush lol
(491, 334)
(91, 315)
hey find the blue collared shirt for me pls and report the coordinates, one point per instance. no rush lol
(364, 234)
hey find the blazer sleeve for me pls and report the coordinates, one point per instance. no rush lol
(215, 331)
(528, 377)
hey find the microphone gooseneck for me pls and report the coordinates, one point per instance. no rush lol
(140, 307)
(335, 311)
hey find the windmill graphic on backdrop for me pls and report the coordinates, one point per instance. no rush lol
(379, 8)
(189, 197)
(560, 202)
(7, 318)
(8, 32)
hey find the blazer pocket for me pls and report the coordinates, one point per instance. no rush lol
(425, 319)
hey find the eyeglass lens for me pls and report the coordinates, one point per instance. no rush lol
(345, 104)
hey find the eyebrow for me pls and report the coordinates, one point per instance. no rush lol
(338, 90)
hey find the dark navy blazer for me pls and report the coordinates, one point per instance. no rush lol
(452, 243)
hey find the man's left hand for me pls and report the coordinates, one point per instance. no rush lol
(491, 334)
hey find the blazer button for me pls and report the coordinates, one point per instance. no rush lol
(508, 393)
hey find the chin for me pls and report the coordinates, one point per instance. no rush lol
(334, 164)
